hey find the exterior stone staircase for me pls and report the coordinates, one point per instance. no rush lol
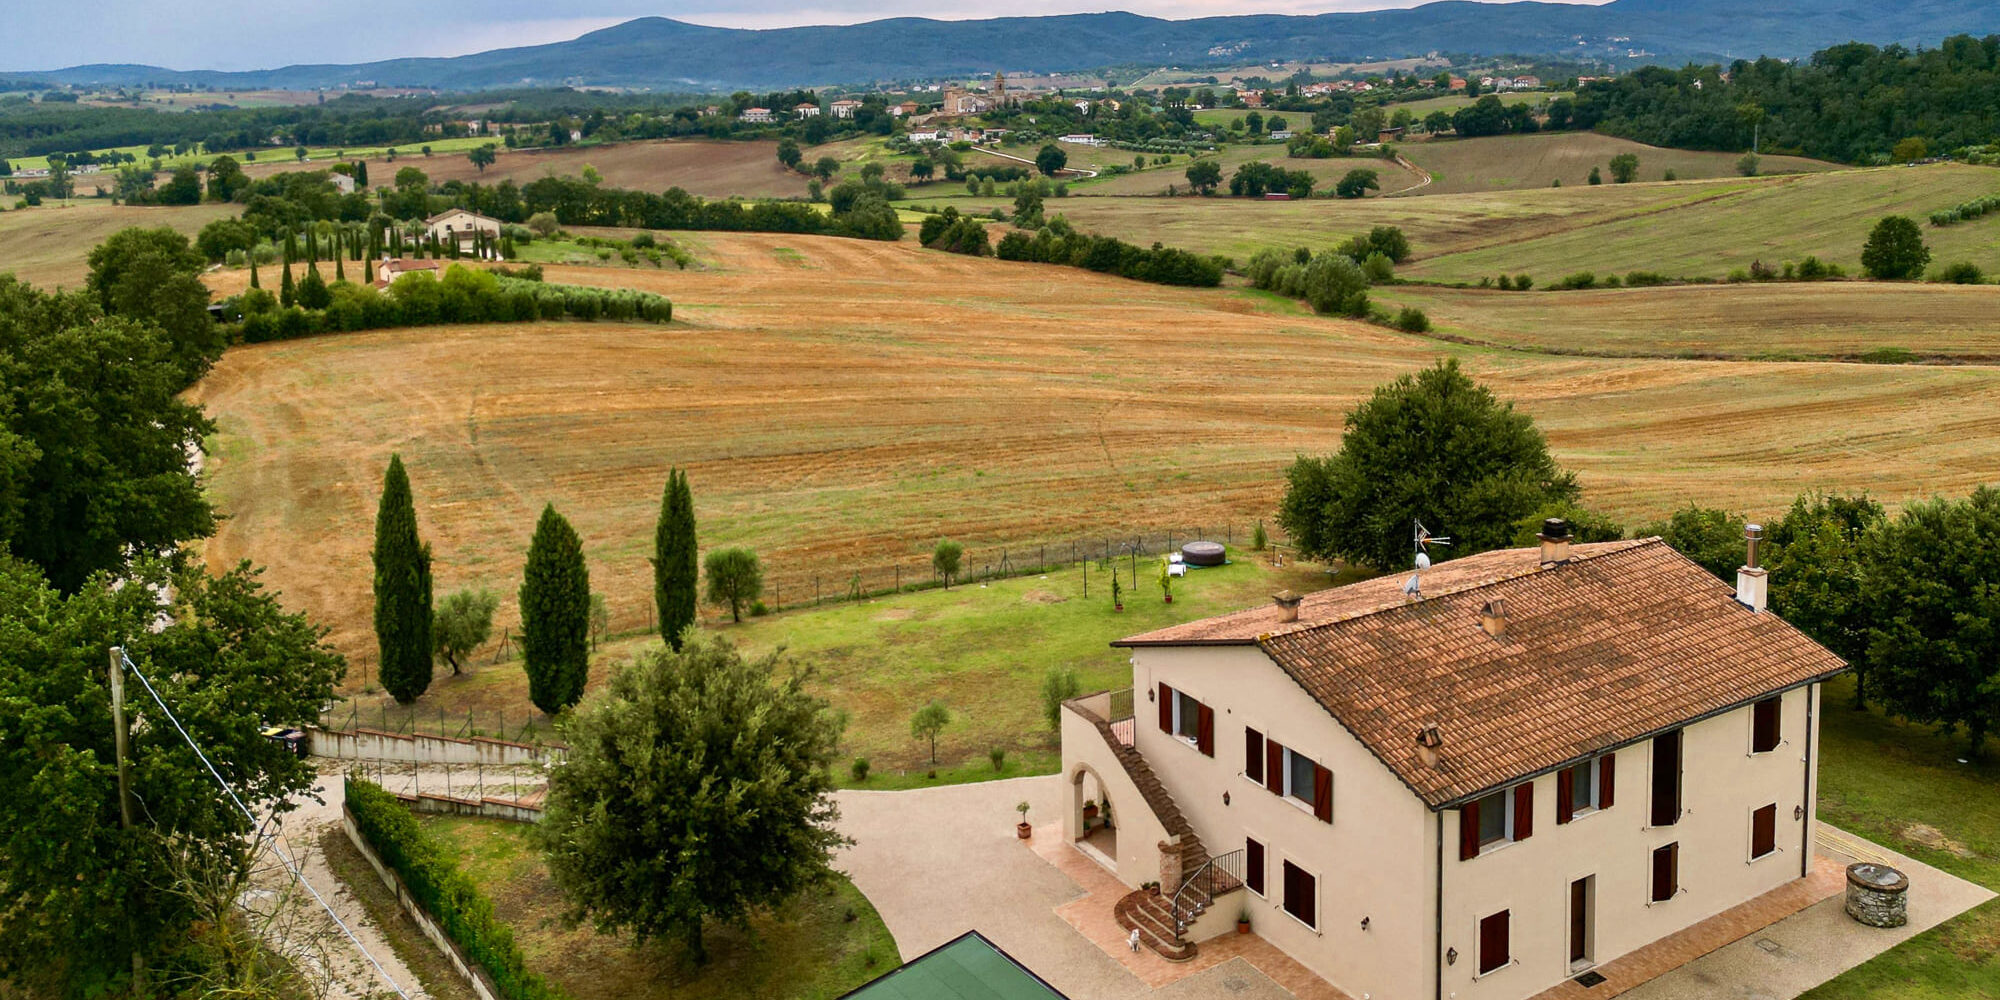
(1148, 912)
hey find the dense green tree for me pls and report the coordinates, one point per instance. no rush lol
(462, 621)
(312, 292)
(1895, 250)
(697, 788)
(483, 156)
(825, 168)
(183, 187)
(945, 559)
(1204, 175)
(1585, 525)
(218, 238)
(94, 438)
(1933, 579)
(735, 579)
(1357, 183)
(1625, 168)
(1050, 159)
(288, 293)
(402, 590)
(226, 179)
(1816, 575)
(676, 579)
(1434, 447)
(79, 895)
(555, 615)
(1595, 177)
(154, 276)
(789, 154)
(1711, 537)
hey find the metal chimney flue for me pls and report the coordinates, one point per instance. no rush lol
(1753, 585)
(1555, 541)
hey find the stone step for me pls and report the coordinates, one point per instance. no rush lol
(1143, 911)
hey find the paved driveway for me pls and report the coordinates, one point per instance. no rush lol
(940, 861)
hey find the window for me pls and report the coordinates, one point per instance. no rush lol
(1584, 788)
(1503, 817)
(1666, 872)
(1493, 819)
(1763, 831)
(1493, 943)
(1309, 783)
(1188, 719)
(1667, 779)
(1253, 866)
(1302, 895)
(1253, 755)
(1187, 716)
(1764, 724)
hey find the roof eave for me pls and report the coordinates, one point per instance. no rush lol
(1139, 643)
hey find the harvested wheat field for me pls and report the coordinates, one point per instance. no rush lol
(709, 169)
(49, 245)
(839, 402)
(1523, 162)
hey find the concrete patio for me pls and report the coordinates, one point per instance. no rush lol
(938, 862)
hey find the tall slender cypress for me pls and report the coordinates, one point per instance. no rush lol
(339, 259)
(555, 615)
(402, 590)
(675, 574)
(286, 290)
(253, 268)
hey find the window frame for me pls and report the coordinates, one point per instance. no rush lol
(1771, 810)
(1506, 813)
(1290, 779)
(1187, 720)
(1776, 705)
(1653, 897)
(1592, 770)
(1285, 904)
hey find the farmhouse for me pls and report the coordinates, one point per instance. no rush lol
(389, 270)
(1475, 783)
(756, 116)
(460, 226)
(344, 183)
(904, 109)
(845, 108)
(805, 109)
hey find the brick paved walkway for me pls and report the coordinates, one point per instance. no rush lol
(1828, 878)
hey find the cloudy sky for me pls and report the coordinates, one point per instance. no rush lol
(228, 36)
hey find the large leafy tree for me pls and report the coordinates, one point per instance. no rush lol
(1816, 581)
(403, 618)
(78, 893)
(696, 789)
(154, 275)
(555, 615)
(1895, 250)
(94, 440)
(1711, 537)
(675, 570)
(1433, 447)
(1933, 576)
(735, 578)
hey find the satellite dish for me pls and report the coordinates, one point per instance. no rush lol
(1423, 561)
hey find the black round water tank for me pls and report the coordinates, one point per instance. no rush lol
(1204, 554)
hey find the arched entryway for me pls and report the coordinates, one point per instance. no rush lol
(1091, 823)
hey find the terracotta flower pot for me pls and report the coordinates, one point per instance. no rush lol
(1023, 831)
(1242, 926)
(1170, 598)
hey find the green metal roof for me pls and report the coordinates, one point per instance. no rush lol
(968, 967)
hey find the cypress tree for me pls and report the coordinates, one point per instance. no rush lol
(361, 174)
(368, 270)
(253, 268)
(402, 590)
(674, 568)
(339, 259)
(285, 287)
(555, 615)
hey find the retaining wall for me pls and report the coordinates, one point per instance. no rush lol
(470, 972)
(487, 808)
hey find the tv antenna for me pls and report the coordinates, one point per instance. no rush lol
(1422, 540)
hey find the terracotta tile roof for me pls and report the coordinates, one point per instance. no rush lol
(1622, 641)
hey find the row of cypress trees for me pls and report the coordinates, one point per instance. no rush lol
(554, 594)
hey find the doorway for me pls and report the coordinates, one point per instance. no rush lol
(1582, 922)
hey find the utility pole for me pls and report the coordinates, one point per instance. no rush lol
(119, 749)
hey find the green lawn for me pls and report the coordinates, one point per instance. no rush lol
(1901, 786)
(821, 945)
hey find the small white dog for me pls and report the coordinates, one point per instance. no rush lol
(1133, 939)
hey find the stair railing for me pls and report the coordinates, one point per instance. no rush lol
(1216, 876)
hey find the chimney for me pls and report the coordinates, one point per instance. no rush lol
(1752, 581)
(1493, 618)
(1555, 541)
(1288, 605)
(1428, 742)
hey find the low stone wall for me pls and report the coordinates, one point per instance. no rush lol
(407, 748)
(512, 810)
(471, 973)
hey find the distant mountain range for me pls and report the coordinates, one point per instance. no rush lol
(659, 53)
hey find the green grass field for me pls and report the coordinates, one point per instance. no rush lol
(49, 245)
(1453, 102)
(821, 945)
(286, 154)
(1522, 162)
(1901, 786)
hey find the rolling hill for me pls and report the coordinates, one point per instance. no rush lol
(657, 52)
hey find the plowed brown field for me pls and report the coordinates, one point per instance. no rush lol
(840, 401)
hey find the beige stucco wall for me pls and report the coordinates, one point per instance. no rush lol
(1085, 756)
(1376, 860)
(1721, 784)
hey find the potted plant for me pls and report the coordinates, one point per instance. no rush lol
(1167, 579)
(1089, 813)
(1117, 593)
(1022, 829)
(1243, 921)
(1152, 887)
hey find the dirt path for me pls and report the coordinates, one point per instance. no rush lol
(1023, 159)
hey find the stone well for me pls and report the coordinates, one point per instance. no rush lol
(1876, 895)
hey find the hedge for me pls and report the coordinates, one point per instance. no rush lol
(1967, 211)
(464, 295)
(1160, 265)
(433, 878)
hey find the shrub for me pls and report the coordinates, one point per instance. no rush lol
(998, 756)
(1379, 268)
(1645, 279)
(1749, 165)
(435, 881)
(1579, 280)
(1059, 685)
(859, 769)
(1412, 320)
(1962, 273)
(1523, 282)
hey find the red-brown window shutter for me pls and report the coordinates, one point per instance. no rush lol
(1666, 877)
(1764, 831)
(1565, 795)
(1322, 794)
(1607, 771)
(1166, 709)
(1253, 755)
(1493, 942)
(1253, 865)
(1468, 831)
(1274, 767)
(1204, 731)
(1765, 726)
(1524, 810)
